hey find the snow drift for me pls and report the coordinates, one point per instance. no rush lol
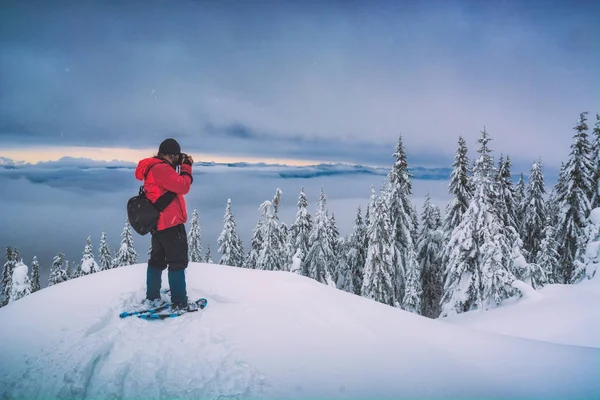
(265, 335)
(565, 314)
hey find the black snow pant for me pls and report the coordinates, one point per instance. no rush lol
(169, 249)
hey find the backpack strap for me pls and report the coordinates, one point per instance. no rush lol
(163, 201)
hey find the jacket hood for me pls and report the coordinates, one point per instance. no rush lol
(144, 165)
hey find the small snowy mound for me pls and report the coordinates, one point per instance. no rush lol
(265, 335)
(526, 290)
(565, 314)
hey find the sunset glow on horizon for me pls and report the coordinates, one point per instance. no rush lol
(34, 155)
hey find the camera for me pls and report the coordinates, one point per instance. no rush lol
(181, 159)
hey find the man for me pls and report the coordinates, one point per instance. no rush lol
(169, 241)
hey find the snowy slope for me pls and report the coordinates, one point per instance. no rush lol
(566, 314)
(265, 335)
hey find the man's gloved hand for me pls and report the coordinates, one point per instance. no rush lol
(186, 166)
(188, 160)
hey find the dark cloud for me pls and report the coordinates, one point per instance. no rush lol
(315, 77)
(16, 130)
(238, 131)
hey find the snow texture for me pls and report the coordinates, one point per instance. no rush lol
(275, 334)
(595, 216)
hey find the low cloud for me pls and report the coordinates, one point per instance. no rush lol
(55, 206)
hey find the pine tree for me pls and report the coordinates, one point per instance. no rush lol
(574, 202)
(370, 206)
(281, 233)
(463, 273)
(496, 263)
(585, 149)
(460, 188)
(534, 212)
(207, 258)
(337, 258)
(20, 285)
(195, 239)
(378, 280)
(414, 291)
(287, 246)
(485, 164)
(461, 193)
(104, 255)
(429, 250)
(126, 254)
(477, 274)
(230, 245)
(507, 213)
(320, 252)
(403, 217)
(255, 246)
(88, 263)
(547, 257)
(7, 274)
(356, 255)
(519, 198)
(586, 265)
(115, 260)
(269, 256)
(595, 158)
(343, 273)
(71, 274)
(535, 275)
(35, 275)
(300, 231)
(552, 205)
(57, 273)
(504, 188)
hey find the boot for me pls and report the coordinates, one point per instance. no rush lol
(153, 283)
(178, 289)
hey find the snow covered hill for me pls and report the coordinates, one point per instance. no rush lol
(271, 335)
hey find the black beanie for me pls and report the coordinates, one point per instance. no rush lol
(169, 146)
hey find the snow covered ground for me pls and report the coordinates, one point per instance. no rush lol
(279, 335)
(565, 314)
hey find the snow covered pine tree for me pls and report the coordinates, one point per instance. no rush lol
(126, 255)
(478, 253)
(230, 245)
(195, 239)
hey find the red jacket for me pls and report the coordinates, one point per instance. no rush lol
(163, 177)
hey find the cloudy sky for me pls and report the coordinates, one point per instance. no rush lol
(279, 82)
(313, 80)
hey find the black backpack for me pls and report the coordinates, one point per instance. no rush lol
(143, 214)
